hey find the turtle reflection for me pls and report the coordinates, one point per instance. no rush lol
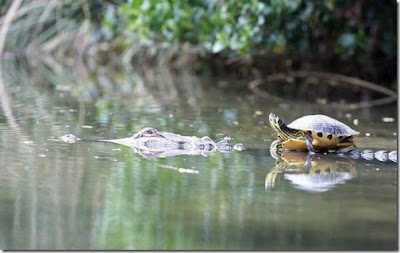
(311, 173)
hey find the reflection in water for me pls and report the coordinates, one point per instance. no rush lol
(318, 182)
(311, 173)
(91, 196)
(132, 204)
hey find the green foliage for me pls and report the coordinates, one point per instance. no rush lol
(358, 36)
(232, 26)
(238, 28)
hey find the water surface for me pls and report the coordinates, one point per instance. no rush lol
(91, 195)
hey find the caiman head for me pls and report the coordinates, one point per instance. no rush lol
(151, 133)
(147, 132)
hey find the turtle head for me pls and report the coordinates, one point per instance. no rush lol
(276, 123)
(280, 127)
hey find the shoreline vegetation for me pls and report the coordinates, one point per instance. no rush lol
(250, 39)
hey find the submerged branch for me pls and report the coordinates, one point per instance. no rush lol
(253, 86)
(335, 77)
(376, 102)
(391, 95)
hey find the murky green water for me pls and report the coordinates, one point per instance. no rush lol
(92, 195)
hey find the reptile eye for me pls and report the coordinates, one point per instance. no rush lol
(149, 131)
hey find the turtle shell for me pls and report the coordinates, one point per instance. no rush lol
(322, 123)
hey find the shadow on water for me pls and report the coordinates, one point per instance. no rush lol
(104, 196)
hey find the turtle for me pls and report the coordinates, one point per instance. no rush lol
(313, 132)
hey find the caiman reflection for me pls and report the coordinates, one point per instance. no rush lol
(311, 173)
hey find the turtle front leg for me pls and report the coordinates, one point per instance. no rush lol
(309, 145)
